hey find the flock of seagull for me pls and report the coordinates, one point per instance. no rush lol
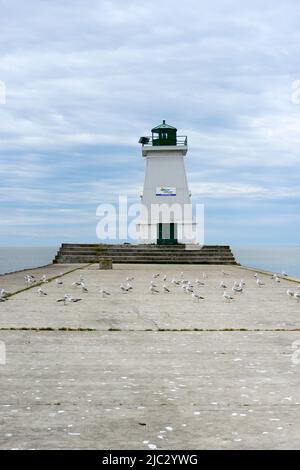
(188, 287)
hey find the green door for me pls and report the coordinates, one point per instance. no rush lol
(166, 234)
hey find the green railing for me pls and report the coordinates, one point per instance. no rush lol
(181, 141)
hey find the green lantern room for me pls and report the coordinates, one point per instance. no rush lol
(164, 134)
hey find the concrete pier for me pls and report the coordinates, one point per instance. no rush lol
(141, 370)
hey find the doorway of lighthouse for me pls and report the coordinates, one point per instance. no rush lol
(167, 234)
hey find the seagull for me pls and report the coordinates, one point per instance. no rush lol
(165, 278)
(41, 292)
(29, 279)
(255, 275)
(4, 294)
(196, 297)
(284, 274)
(129, 286)
(44, 278)
(124, 289)
(277, 279)
(184, 287)
(227, 297)
(225, 273)
(259, 282)
(290, 293)
(297, 296)
(155, 276)
(152, 290)
(177, 283)
(165, 288)
(77, 283)
(58, 282)
(199, 283)
(129, 279)
(71, 299)
(242, 283)
(152, 284)
(237, 288)
(104, 293)
(84, 289)
(65, 299)
(223, 285)
(189, 289)
(68, 298)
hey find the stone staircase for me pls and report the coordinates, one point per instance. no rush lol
(145, 254)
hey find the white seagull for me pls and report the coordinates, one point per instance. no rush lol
(104, 293)
(152, 290)
(297, 296)
(4, 294)
(237, 289)
(41, 292)
(68, 298)
(196, 297)
(290, 293)
(84, 289)
(124, 289)
(227, 297)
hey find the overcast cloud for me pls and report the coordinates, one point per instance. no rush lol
(85, 79)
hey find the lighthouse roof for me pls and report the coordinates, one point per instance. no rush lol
(164, 125)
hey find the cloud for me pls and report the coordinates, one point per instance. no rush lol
(85, 79)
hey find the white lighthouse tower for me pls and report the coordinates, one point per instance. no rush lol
(166, 216)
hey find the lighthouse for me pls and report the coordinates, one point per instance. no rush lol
(166, 216)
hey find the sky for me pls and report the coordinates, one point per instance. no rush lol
(85, 79)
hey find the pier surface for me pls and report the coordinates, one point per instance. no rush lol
(142, 370)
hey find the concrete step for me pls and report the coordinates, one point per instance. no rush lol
(166, 261)
(179, 247)
(143, 252)
(174, 254)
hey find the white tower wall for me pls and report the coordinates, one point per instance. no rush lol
(165, 170)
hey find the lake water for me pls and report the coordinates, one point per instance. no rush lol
(275, 259)
(16, 258)
(270, 258)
